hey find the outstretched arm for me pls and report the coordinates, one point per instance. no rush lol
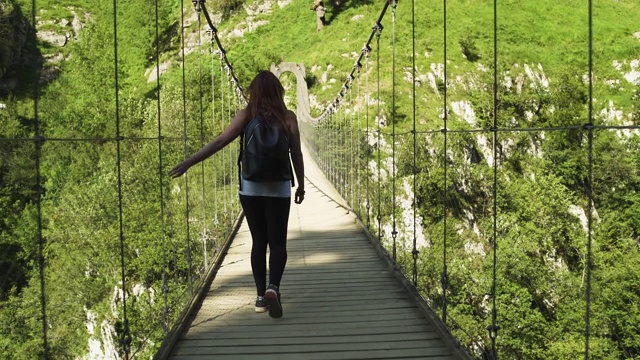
(296, 155)
(228, 135)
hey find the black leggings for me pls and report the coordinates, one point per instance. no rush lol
(268, 218)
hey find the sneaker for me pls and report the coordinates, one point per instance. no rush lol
(261, 304)
(272, 295)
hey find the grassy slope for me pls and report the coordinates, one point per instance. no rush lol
(552, 33)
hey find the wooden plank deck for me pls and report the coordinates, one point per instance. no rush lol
(340, 300)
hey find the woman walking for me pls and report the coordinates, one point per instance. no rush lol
(266, 204)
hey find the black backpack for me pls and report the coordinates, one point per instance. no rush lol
(264, 152)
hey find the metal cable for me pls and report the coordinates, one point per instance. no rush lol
(352, 158)
(126, 336)
(444, 279)
(394, 232)
(186, 154)
(213, 127)
(414, 251)
(202, 142)
(38, 142)
(165, 287)
(589, 128)
(367, 51)
(493, 328)
(378, 29)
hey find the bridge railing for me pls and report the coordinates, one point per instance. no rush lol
(102, 253)
(513, 211)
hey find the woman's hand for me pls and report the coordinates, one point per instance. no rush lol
(180, 169)
(299, 195)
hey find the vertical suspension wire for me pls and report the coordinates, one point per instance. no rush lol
(444, 280)
(126, 336)
(213, 128)
(329, 143)
(227, 149)
(358, 159)
(493, 328)
(332, 145)
(367, 51)
(165, 287)
(352, 155)
(343, 166)
(222, 112)
(185, 150)
(414, 251)
(234, 150)
(589, 128)
(339, 141)
(202, 141)
(327, 148)
(394, 232)
(379, 133)
(39, 141)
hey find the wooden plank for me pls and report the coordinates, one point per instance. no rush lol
(298, 348)
(340, 300)
(439, 353)
(292, 340)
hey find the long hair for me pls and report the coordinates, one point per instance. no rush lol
(266, 97)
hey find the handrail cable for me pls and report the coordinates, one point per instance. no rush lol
(126, 336)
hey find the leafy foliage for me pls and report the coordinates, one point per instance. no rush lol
(528, 191)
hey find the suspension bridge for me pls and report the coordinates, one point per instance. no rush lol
(407, 246)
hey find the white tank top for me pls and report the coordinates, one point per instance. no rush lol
(270, 189)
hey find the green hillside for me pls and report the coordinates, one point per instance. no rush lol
(68, 85)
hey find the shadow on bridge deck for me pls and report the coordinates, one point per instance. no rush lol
(340, 299)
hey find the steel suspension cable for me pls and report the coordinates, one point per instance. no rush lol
(236, 107)
(39, 141)
(589, 128)
(213, 128)
(126, 336)
(358, 143)
(444, 280)
(342, 168)
(378, 30)
(226, 150)
(394, 232)
(493, 328)
(165, 287)
(352, 167)
(185, 150)
(367, 51)
(222, 124)
(202, 142)
(414, 251)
